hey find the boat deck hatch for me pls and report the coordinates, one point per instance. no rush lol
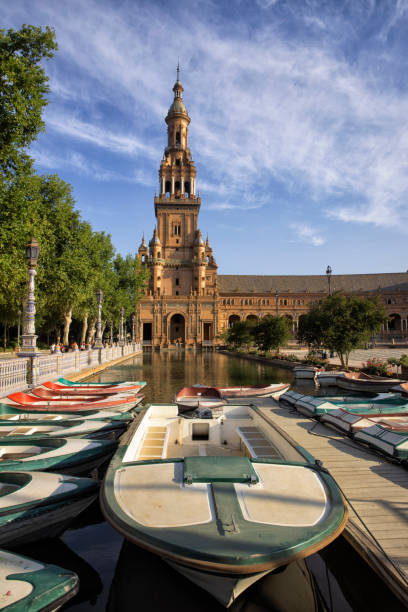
(218, 469)
(201, 431)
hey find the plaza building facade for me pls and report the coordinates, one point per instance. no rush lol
(187, 303)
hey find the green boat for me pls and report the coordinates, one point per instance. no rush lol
(317, 406)
(223, 500)
(113, 383)
(37, 505)
(62, 429)
(63, 455)
(14, 413)
(32, 586)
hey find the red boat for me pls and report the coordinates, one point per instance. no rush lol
(121, 404)
(190, 398)
(89, 390)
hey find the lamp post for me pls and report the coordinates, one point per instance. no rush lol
(111, 333)
(18, 326)
(98, 338)
(133, 328)
(329, 274)
(121, 339)
(28, 336)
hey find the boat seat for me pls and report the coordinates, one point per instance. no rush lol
(154, 444)
(257, 444)
(218, 469)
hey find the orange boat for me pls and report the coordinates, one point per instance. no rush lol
(190, 398)
(122, 404)
(89, 390)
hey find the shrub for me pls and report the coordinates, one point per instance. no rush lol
(376, 367)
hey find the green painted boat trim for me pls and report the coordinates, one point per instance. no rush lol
(219, 469)
(84, 487)
(120, 416)
(65, 381)
(272, 543)
(52, 587)
(101, 449)
(106, 428)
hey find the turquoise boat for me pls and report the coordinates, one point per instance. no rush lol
(37, 505)
(76, 456)
(112, 383)
(223, 500)
(33, 586)
(14, 413)
(61, 429)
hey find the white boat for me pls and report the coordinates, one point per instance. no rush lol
(274, 390)
(32, 586)
(308, 372)
(329, 378)
(223, 500)
(359, 381)
(62, 429)
(37, 505)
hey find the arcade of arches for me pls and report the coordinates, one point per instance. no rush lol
(189, 303)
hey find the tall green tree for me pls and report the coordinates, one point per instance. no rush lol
(271, 333)
(341, 324)
(23, 89)
(240, 333)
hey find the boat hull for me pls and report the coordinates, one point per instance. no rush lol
(31, 585)
(274, 391)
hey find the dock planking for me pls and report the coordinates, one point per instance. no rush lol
(377, 489)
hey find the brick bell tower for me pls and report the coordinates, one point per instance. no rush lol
(181, 264)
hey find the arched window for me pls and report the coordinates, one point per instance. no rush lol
(177, 188)
(187, 188)
(177, 162)
(158, 254)
(178, 138)
(168, 187)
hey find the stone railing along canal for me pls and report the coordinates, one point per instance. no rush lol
(18, 374)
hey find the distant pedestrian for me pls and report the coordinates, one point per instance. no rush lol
(53, 348)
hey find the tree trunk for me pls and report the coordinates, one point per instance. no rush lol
(91, 331)
(84, 327)
(103, 327)
(5, 338)
(67, 324)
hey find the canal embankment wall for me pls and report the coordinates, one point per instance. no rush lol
(21, 373)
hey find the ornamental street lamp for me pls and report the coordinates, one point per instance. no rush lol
(121, 337)
(28, 336)
(133, 328)
(98, 338)
(18, 326)
(329, 274)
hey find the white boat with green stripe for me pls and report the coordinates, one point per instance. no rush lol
(225, 500)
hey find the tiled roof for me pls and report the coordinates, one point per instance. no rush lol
(237, 283)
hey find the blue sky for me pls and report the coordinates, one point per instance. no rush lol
(299, 123)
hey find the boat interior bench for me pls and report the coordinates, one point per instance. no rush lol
(154, 443)
(257, 444)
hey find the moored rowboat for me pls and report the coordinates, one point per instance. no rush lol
(18, 414)
(62, 429)
(66, 390)
(272, 390)
(75, 456)
(190, 398)
(359, 381)
(101, 385)
(37, 505)
(23, 399)
(235, 482)
(33, 586)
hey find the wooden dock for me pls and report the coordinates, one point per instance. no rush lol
(377, 488)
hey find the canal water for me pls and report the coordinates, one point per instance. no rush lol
(116, 576)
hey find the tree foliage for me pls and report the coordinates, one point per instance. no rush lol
(341, 324)
(271, 332)
(74, 260)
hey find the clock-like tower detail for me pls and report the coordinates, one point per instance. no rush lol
(181, 302)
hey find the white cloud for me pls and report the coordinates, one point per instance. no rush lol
(264, 111)
(308, 234)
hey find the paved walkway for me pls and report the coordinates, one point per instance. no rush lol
(360, 355)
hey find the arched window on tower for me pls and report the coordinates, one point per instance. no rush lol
(187, 188)
(177, 190)
(178, 138)
(168, 187)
